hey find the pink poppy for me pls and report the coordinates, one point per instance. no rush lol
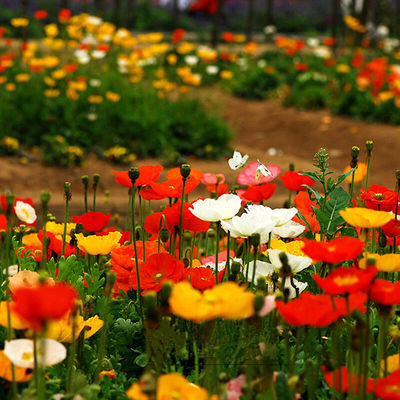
(249, 175)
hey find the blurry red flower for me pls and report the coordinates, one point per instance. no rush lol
(201, 278)
(385, 292)
(64, 15)
(256, 194)
(155, 270)
(70, 68)
(43, 303)
(319, 310)
(173, 187)
(220, 189)
(175, 173)
(103, 47)
(228, 37)
(379, 197)
(93, 221)
(333, 251)
(293, 181)
(3, 202)
(177, 35)
(40, 14)
(148, 175)
(329, 41)
(299, 66)
(346, 280)
(388, 388)
(3, 222)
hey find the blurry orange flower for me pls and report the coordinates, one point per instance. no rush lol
(21, 374)
(360, 173)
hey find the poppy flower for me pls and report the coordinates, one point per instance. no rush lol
(249, 175)
(98, 245)
(155, 270)
(147, 175)
(392, 228)
(212, 179)
(33, 252)
(43, 303)
(319, 310)
(355, 380)
(259, 193)
(220, 189)
(359, 175)
(384, 263)
(346, 280)
(3, 202)
(177, 35)
(150, 194)
(16, 322)
(20, 374)
(93, 221)
(379, 198)
(175, 173)
(388, 388)
(64, 15)
(293, 181)
(40, 14)
(201, 278)
(208, 6)
(365, 218)
(385, 292)
(333, 251)
(189, 221)
(173, 187)
(56, 244)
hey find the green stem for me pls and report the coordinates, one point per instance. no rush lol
(71, 355)
(383, 325)
(352, 185)
(216, 252)
(196, 362)
(367, 175)
(181, 219)
(65, 225)
(86, 200)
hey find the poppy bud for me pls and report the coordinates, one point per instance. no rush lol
(96, 180)
(85, 181)
(223, 377)
(67, 191)
(382, 239)
(185, 171)
(211, 233)
(213, 194)
(133, 174)
(286, 271)
(186, 262)
(261, 283)
(369, 144)
(187, 236)
(165, 293)
(258, 301)
(148, 383)
(355, 151)
(150, 310)
(255, 239)
(291, 167)
(106, 196)
(164, 235)
(235, 267)
(371, 261)
(43, 276)
(45, 197)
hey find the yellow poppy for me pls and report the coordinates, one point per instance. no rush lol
(113, 97)
(135, 392)
(31, 240)
(175, 387)
(19, 22)
(294, 247)
(51, 30)
(95, 99)
(110, 373)
(225, 74)
(22, 77)
(365, 218)
(384, 263)
(359, 174)
(392, 362)
(21, 374)
(58, 229)
(98, 245)
(16, 321)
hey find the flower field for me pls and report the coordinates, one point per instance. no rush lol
(149, 247)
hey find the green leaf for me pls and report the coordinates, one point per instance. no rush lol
(311, 191)
(342, 177)
(141, 360)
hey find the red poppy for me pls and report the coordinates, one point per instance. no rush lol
(228, 37)
(388, 388)
(40, 14)
(43, 303)
(155, 270)
(175, 173)
(93, 221)
(3, 222)
(319, 310)
(392, 228)
(56, 244)
(355, 380)
(177, 35)
(333, 251)
(219, 189)
(64, 15)
(3, 202)
(330, 62)
(201, 278)
(305, 205)
(208, 6)
(126, 235)
(329, 41)
(147, 175)
(346, 280)
(299, 66)
(69, 68)
(379, 197)
(259, 193)
(294, 181)
(385, 292)
(173, 187)
(104, 47)
(150, 194)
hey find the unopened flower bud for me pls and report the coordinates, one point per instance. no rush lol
(79, 227)
(96, 180)
(186, 262)
(45, 197)
(185, 171)
(371, 261)
(369, 144)
(133, 174)
(235, 267)
(85, 181)
(214, 194)
(211, 233)
(10, 198)
(382, 239)
(286, 271)
(261, 283)
(223, 377)
(165, 293)
(355, 151)
(164, 235)
(291, 167)
(150, 302)
(258, 301)
(67, 191)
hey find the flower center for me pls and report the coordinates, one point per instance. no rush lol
(346, 280)
(158, 277)
(25, 212)
(378, 196)
(393, 389)
(27, 356)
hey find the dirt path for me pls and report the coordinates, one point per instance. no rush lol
(259, 126)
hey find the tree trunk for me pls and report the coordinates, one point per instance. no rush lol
(128, 20)
(363, 20)
(397, 19)
(250, 20)
(335, 20)
(65, 4)
(270, 12)
(117, 12)
(100, 8)
(24, 14)
(175, 14)
(217, 24)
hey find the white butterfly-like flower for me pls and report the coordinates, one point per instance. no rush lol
(262, 169)
(237, 161)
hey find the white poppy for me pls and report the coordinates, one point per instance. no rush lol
(25, 212)
(20, 352)
(293, 284)
(212, 70)
(12, 270)
(289, 230)
(225, 207)
(98, 54)
(95, 82)
(191, 60)
(221, 265)
(237, 161)
(297, 263)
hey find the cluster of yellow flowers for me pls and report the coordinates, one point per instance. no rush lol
(119, 154)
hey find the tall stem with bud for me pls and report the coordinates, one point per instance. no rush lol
(45, 198)
(85, 181)
(96, 180)
(67, 194)
(369, 144)
(355, 151)
(185, 172)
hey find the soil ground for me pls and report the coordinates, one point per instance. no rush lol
(259, 126)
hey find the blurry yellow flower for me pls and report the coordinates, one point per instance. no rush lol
(58, 74)
(135, 392)
(113, 97)
(58, 229)
(385, 96)
(71, 94)
(51, 30)
(95, 99)
(250, 48)
(392, 363)
(360, 173)
(49, 81)
(365, 218)
(172, 59)
(78, 86)
(31, 240)
(343, 68)
(96, 245)
(10, 87)
(22, 78)
(225, 74)
(3, 79)
(51, 93)
(240, 38)
(190, 304)
(19, 22)
(384, 263)
(175, 386)
(185, 47)
(16, 321)
(10, 143)
(20, 374)
(50, 61)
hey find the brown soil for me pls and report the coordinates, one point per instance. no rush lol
(259, 126)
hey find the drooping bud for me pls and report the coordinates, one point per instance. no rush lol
(67, 191)
(255, 239)
(369, 144)
(286, 270)
(382, 239)
(165, 293)
(133, 174)
(235, 267)
(164, 235)
(185, 171)
(261, 283)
